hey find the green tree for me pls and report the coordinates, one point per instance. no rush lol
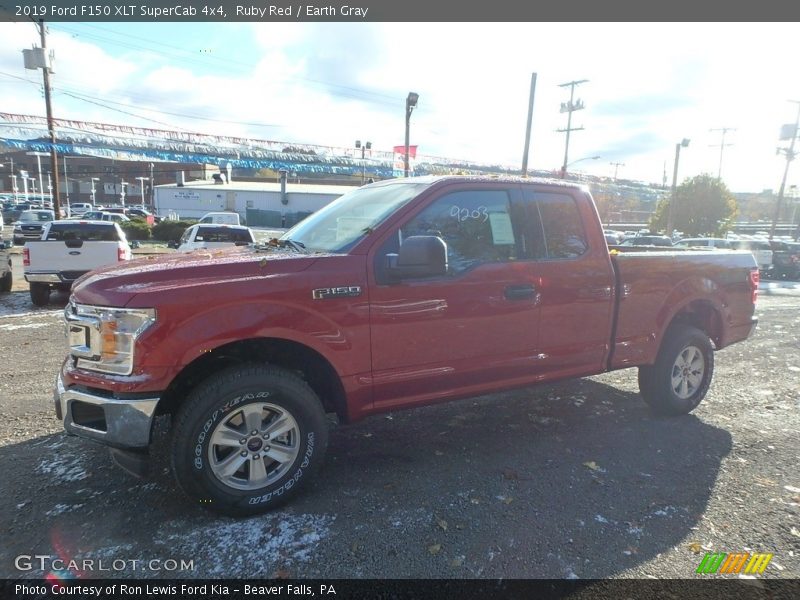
(703, 206)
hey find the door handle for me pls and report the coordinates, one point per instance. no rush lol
(520, 292)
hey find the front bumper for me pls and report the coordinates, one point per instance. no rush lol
(117, 422)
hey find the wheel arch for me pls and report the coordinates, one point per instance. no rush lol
(702, 313)
(314, 368)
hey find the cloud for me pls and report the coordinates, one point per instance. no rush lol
(649, 85)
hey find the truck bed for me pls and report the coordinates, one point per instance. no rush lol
(654, 285)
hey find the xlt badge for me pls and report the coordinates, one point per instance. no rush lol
(336, 292)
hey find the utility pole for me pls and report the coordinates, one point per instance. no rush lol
(721, 145)
(616, 166)
(528, 127)
(42, 61)
(790, 155)
(569, 108)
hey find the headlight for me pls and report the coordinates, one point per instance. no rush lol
(17, 228)
(102, 338)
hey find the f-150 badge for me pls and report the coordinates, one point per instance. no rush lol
(336, 292)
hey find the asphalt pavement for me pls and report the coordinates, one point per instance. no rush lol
(570, 480)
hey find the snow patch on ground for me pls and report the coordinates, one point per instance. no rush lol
(18, 304)
(65, 468)
(232, 548)
(23, 326)
(62, 508)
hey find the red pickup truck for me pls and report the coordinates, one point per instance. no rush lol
(399, 294)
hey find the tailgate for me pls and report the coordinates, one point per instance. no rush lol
(55, 256)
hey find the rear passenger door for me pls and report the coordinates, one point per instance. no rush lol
(574, 281)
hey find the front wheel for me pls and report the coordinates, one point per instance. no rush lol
(6, 282)
(681, 375)
(247, 439)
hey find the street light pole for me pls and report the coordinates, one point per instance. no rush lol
(411, 103)
(671, 209)
(39, 156)
(94, 190)
(141, 187)
(790, 156)
(365, 146)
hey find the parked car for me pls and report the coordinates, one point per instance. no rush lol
(704, 243)
(214, 236)
(400, 294)
(647, 240)
(69, 249)
(785, 260)
(230, 218)
(30, 224)
(144, 214)
(78, 209)
(761, 249)
(104, 215)
(6, 277)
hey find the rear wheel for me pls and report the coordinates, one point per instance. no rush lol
(248, 438)
(40, 294)
(681, 375)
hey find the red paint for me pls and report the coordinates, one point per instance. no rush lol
(423, 341)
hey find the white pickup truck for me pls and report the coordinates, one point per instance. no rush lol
(67, 250)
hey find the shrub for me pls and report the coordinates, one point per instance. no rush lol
(136, 230)
(170, 231)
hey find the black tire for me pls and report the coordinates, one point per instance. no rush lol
(222, 402)
(40, 294)
(656, 383)
(6, 282)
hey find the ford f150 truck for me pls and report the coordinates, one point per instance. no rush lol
(399, 294)
(69, 249)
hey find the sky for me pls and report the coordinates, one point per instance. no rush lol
(649, 86)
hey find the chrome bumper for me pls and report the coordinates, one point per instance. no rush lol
(49, 277)
(42, 278)
(112, 421)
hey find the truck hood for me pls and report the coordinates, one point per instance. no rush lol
(116, 285)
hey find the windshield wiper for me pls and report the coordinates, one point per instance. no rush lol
(299, 247)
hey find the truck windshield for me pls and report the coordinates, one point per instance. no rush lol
(344, 222)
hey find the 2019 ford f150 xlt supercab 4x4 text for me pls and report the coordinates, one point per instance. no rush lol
(398, 294)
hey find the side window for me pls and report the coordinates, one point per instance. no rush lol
(564, 237)
(185, 236)
(476, 226)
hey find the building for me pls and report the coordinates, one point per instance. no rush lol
(259, 203)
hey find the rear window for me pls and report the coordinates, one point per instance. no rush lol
(36, 216)
(562, 224)
(88, 232)
(223, 234)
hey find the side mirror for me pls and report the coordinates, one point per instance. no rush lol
(134, 244)
(420, 256)
(172, 244)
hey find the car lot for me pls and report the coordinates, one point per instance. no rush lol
(567, 480)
